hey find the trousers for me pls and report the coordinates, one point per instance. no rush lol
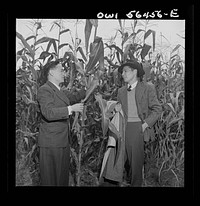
(134, 153)
(54, 166)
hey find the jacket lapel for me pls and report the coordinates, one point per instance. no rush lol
(59, 93)
(139, 91)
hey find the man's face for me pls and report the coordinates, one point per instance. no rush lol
(58, 73)
(128, 74)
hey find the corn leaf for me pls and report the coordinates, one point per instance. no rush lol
(79, 67)
(43, 40)
(74, 125)
(171, 106)
(106, 109)
(153, 35)
(175, 48)
(147, 68)
(154, 39)
(48, 46)
(57, 24)
(174, 120)
(30, 37)
(52, 41)
(52, 27)
(118, 57)
(70, 55)
(66, 44)
(126, 51)
(111, 63)
(147, 33)
(18, 57)
(175, 55)
(44, 54)
(20, 52)
(104, 119)
(96, 55)
(125, 38)
(120, 23)
(93, 84)
(176, 99)
(130, 36)
(63, 31)
(54, 45)
(94, 22)
(145, 50)
(182, 113)
(88, 28)
(135, 23)
(34, 73)
(139, 30)
(101, 59)
(82, 53)
(26, 45)
(115, 47)
(24, 58)
(110, 107)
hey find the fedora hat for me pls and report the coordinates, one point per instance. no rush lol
(133, 65)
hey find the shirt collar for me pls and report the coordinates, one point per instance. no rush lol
(55, 85)
(133, 85)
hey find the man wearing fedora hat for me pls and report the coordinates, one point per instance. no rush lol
(141, 109)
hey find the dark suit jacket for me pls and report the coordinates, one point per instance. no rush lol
(148, 106)
(53, 104)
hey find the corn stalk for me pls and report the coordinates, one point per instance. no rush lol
(26, 114)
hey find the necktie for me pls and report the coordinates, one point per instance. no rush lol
(129, 88)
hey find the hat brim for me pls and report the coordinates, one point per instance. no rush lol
(134, 65)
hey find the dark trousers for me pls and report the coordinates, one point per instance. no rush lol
(108, 183)
(134, 153)
(54, 166)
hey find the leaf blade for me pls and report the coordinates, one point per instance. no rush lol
(105, 120)
(64, 31)
(93, 85)
(82, 53)
(26, 45)
(30, 37)
(96, 54)
(87, 30)
(145, 50)
(175, 48)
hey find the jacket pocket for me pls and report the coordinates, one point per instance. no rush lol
(56, 127)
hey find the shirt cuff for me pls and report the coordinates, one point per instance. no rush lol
(146, 123)
(69, 110)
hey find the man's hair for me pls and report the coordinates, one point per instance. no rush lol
(46, 68)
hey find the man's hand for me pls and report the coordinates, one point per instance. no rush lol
(118, 107)
(77, 107)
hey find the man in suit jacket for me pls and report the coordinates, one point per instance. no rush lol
(141, 110)
(56, 106)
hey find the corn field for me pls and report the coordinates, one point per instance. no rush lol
(164, 153)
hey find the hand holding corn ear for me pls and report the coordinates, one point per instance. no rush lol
(118, 107)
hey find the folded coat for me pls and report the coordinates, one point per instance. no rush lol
(113, 161)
